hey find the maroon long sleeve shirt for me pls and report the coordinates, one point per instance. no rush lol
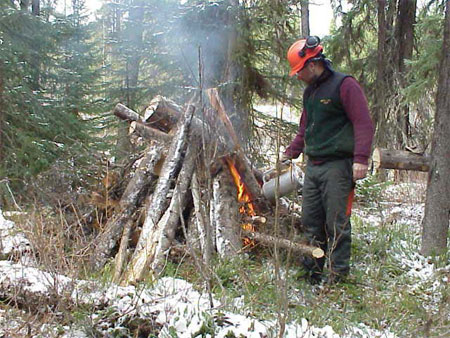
(355, 105)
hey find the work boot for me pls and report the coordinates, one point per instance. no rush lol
(314, 278)
(334, 278)
(310, 277)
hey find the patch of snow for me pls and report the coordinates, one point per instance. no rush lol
(12, 242)
(405, 192)
(417, 266)
(402, 211)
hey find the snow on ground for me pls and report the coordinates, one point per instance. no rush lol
(402, 210)
(12, 242)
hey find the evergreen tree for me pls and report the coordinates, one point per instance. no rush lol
(48, 69)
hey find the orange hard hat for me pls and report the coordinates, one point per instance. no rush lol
(301, 51)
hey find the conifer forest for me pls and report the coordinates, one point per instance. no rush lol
(143, 188)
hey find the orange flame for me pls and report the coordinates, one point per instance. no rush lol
(243, 195)
(243, 198)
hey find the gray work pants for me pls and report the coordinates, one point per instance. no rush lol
(327, 192)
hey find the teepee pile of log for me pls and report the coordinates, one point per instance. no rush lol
(195, 179)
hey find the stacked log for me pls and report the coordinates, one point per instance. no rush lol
(187, 164)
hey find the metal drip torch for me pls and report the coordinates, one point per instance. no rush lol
(288, 178)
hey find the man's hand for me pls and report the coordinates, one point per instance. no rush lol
(359, 171)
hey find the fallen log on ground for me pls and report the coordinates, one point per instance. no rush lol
(271, 241)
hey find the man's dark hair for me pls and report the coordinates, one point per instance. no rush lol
(320, 58)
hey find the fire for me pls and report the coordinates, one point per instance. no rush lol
(243, 198)
(243, 195)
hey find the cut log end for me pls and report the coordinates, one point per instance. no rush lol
(376, 158)
(318, 253)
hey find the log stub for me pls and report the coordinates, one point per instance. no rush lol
(399, 159)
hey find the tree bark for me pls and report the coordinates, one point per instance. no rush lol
(380, 107)
(145, 248)
(128, 204)
(304, 10)
(125, 113)
(149, 133)
(284, 243)
(399, 159)
(385, 70)
(24, 5)
(225, 215)
(36, 7)
(121, 256)
(404, 36)
(2, 114)
(437, 204)
(171, 218)
(202, 223)
(162, 113)
(406, 18)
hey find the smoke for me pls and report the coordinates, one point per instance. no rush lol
(199, 34)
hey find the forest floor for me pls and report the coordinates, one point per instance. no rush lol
(392, 291)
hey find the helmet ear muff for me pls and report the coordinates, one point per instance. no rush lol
(310, 43)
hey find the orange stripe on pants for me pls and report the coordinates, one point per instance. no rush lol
(351, 196)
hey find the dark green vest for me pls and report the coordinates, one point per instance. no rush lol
(329, 132)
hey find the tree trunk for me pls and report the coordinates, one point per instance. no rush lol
(406, 18)
(172, 217)
(24, 5)
(380, 106)
(304, 9)
(437, 205)
(36, 7)
(404, 36)
(385, 70)
(225, 215)
(2, 113)
(150, 233)
(134, 34)
(243, 166)
(399, 159)
(122, 257)
(202, 224)
(234, 91)
(128, 204)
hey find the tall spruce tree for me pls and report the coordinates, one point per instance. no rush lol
(437, 206)
(46, 87)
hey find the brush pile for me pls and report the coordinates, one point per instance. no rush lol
(193, 191)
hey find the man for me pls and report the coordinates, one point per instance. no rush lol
(335, 133)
